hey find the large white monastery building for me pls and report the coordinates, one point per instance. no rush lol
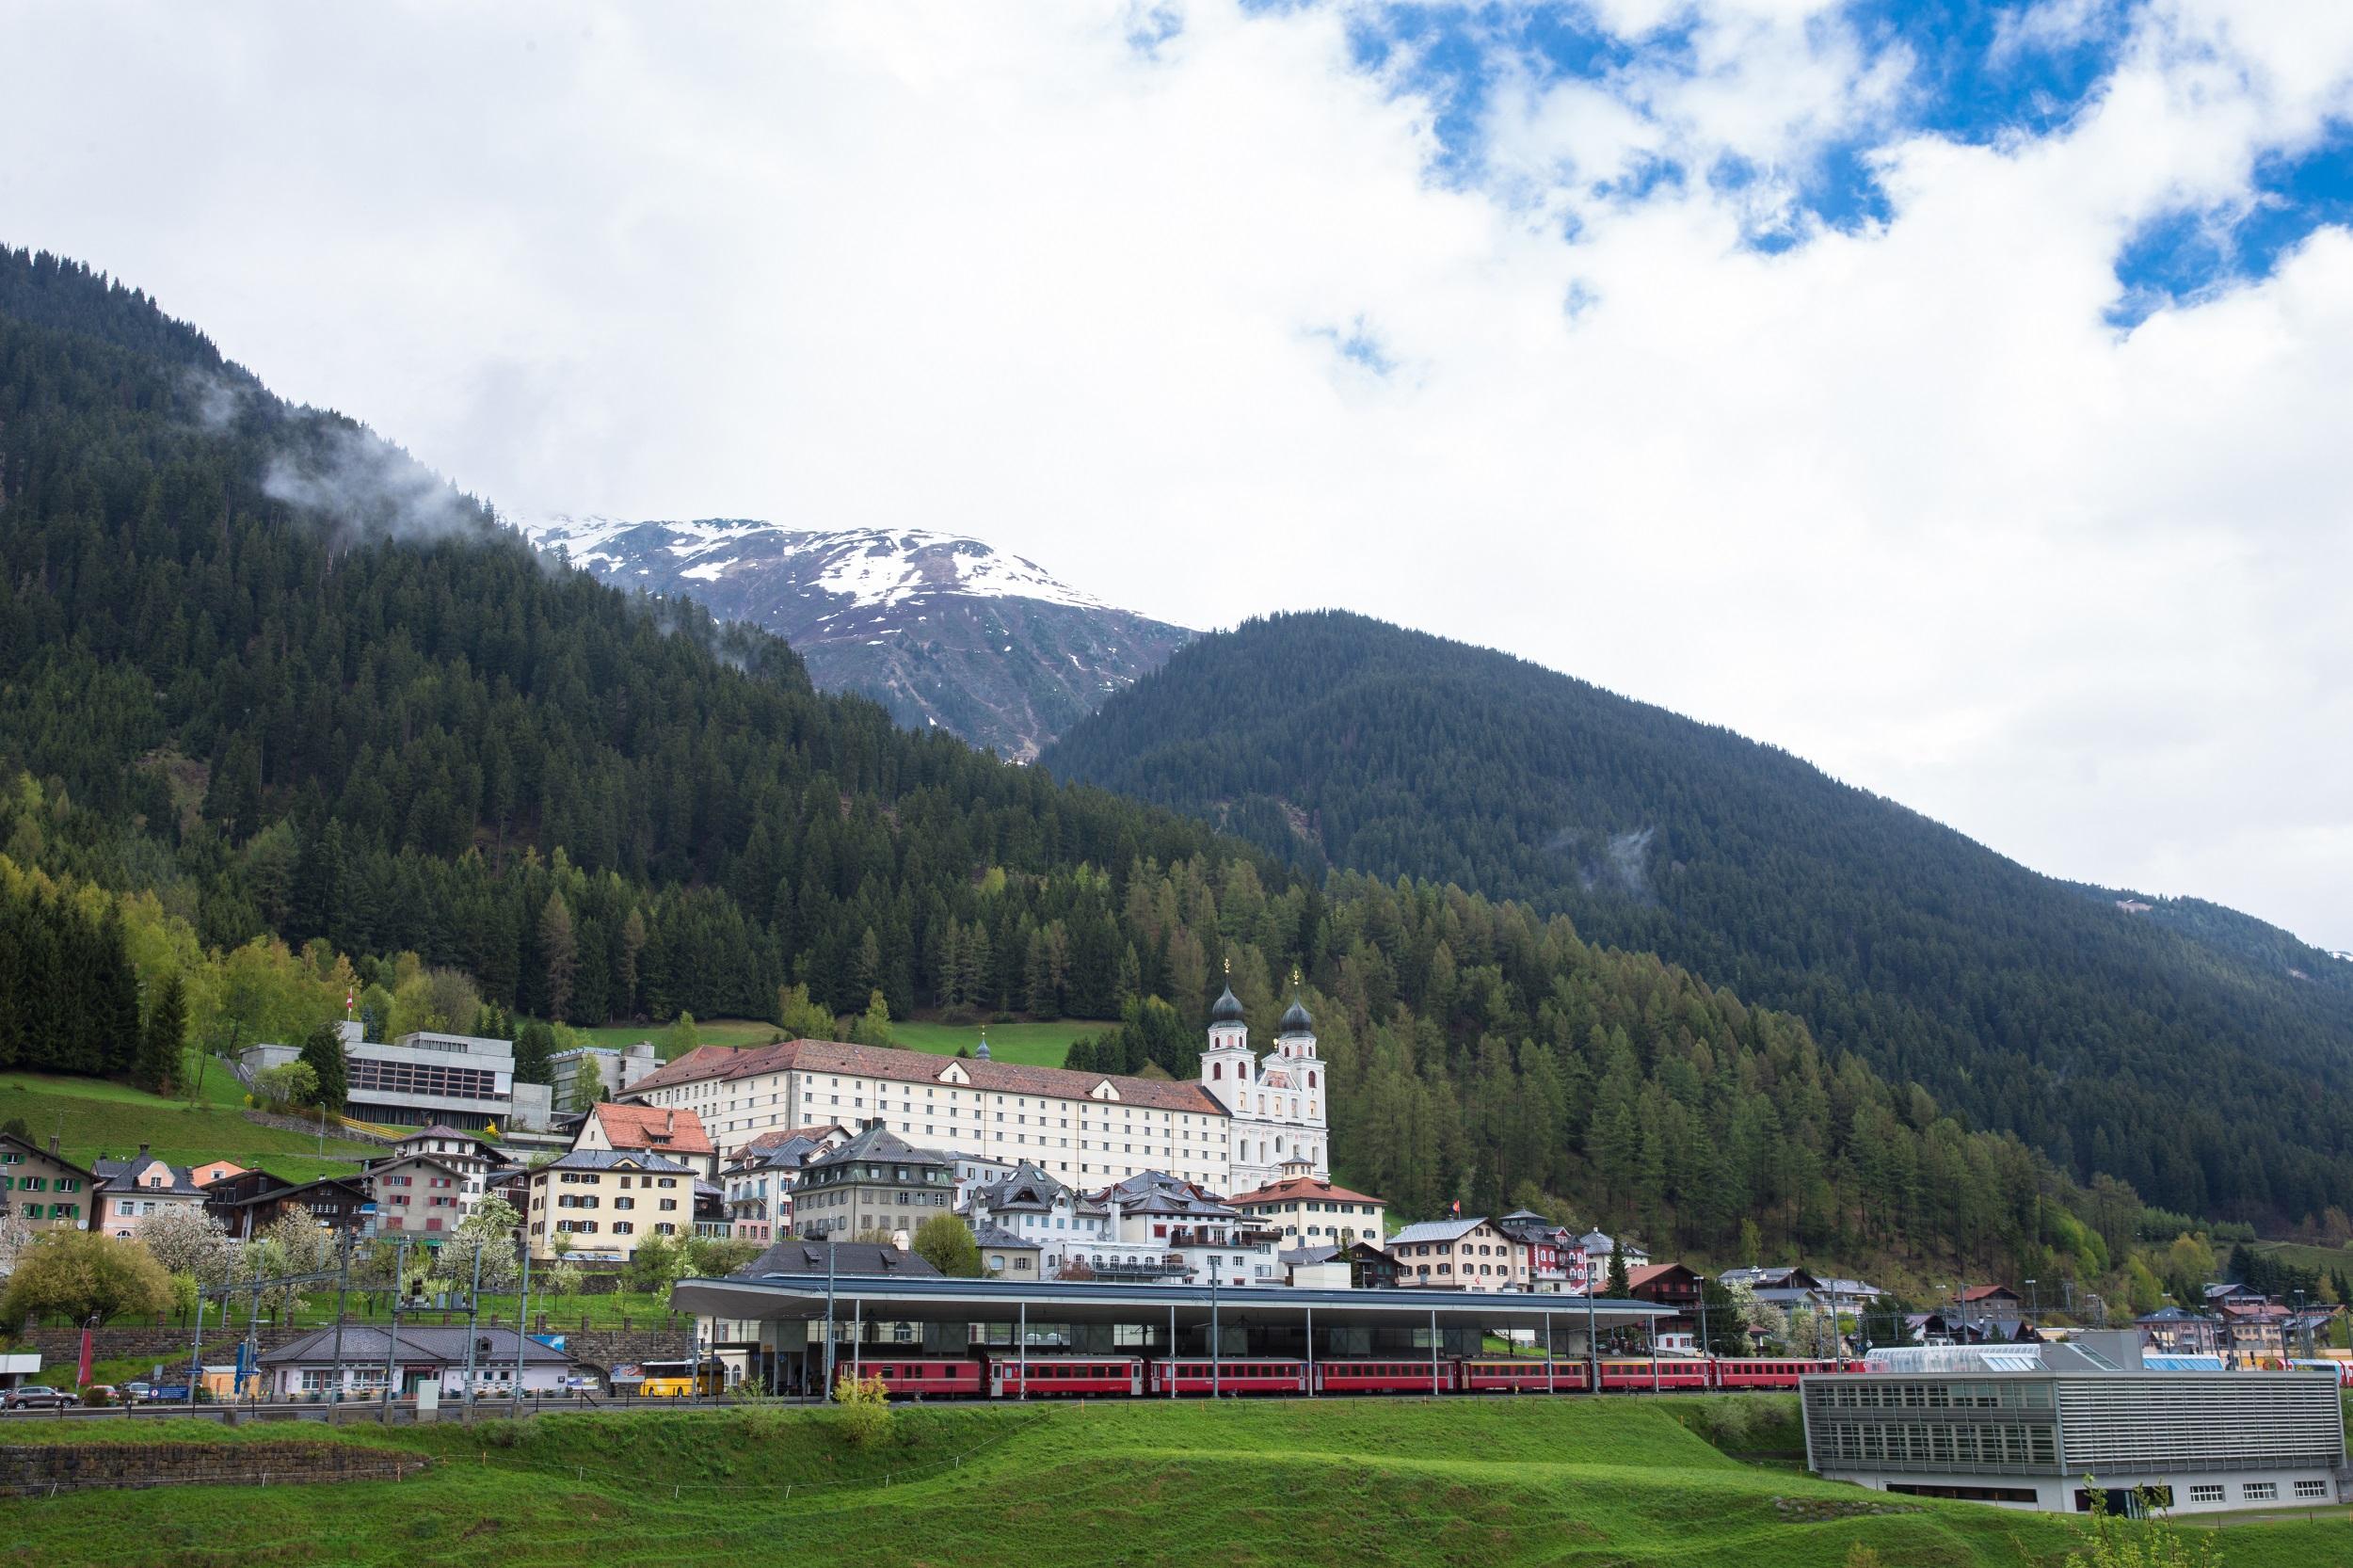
(1233, 1129)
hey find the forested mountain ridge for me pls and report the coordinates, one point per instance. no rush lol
(2212, 1081)
(279, 713)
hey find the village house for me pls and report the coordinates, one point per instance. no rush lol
(306, 1369)
(758, 1179)
(417, 1194)
(607, 1202)
(1555, 1258)
(46, 1190)
(251, 1202)
(135, 1190)
(1459, 1255)
(667, 1130)
(1202, 1235)
(1309, 1211)
(877, 1181)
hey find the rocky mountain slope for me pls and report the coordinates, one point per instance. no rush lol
(941, 628)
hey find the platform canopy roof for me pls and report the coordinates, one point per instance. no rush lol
(941, 1300)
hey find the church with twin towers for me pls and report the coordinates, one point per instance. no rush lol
(1248, 1120)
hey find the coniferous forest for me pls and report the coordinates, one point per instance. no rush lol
(2208, 1066)
(275, 702)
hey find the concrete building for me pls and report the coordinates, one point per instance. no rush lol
(875, 1181)
(134, 1191)
(425, 1077)
(608, 1202)
(1312, 1212)
(1235, 1127)
(43, 1188)
(2022, 1426)
(580, 1077)
(669, 1130)
(1460, 1254)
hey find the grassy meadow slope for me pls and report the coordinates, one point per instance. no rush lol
(1300, 1485)
(92, 1117)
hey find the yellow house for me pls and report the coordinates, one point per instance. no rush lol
(608, 1201)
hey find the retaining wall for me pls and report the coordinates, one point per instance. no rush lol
(42, 1469)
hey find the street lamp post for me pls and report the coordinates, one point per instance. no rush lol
(2033, 1314)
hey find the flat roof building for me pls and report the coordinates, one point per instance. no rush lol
(425, 1077)
(2024, 1426)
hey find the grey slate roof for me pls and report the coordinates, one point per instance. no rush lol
(115, 1175)
(614, 1160)
(1437, 1230)
(799, 1259)
(878, 1142)
(368, 1345)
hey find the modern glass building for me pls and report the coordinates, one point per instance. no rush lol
(2043, 1426)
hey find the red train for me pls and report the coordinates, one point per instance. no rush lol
(1061, 1375)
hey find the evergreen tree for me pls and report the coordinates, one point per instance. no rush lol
(534, 1043)
(873, 1027)
(163, 1044)
(323, 1054)
(558, 949)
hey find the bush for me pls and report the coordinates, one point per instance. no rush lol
(96, 1398)
(861, 1410)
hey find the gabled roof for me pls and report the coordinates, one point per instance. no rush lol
(666, 1129)
(345, 1187)
(879, 1142)
(1158, 1192)
(12, 1141)
(1637, 1278)
(1989, 1292)
(817, 1134)
(369, 1346)
(124, 1175)
(914, 1067)
(1301, 1190)
(997, 1236)
(796, 1257)
(483, 1147)
(616, 1159)
(1438, 1230)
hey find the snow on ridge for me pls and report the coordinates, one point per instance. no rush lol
(872, 568)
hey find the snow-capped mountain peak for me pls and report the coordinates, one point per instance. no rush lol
(943, 629)
(868, 567)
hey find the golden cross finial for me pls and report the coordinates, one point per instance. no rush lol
(1294, 976)
(1229, 965)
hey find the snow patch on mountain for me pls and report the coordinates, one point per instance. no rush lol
(872, 568)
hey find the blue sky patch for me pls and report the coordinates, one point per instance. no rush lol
(2185, 255)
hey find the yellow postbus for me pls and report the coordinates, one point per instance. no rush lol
(678, 1379)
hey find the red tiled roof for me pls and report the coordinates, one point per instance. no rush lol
(915, 1066)
(1299, 1189)
(1981, 1292)
(1637, 1278)
(817, 1134)
(659, 1127)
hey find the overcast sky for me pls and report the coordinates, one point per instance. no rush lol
(1956, 396)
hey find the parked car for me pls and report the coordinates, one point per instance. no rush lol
(39, 1396)
(137, 1393)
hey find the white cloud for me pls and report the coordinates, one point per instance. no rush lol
(1898, 500)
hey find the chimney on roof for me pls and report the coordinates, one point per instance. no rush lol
(142, 1151)
(53, 1146)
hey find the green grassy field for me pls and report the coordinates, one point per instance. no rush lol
(1036, 1044)
(94, 1117)
(2302, 1256)
(1300, 1485)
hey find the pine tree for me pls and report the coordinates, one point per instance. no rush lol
(323, 1054)
(558, 950)
(163, 1042)
(534, 1044)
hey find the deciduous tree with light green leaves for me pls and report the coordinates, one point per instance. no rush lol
(82, 1275)
(946, 1244)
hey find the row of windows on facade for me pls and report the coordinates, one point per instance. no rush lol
(835, 1199)
(596, 1179)
(1449, 1249)
(39, 1184)
(621, 1228)
(54, 1211)
(1421, 1270)
(409, 1078)
(590, 1200)
(320, 1377)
